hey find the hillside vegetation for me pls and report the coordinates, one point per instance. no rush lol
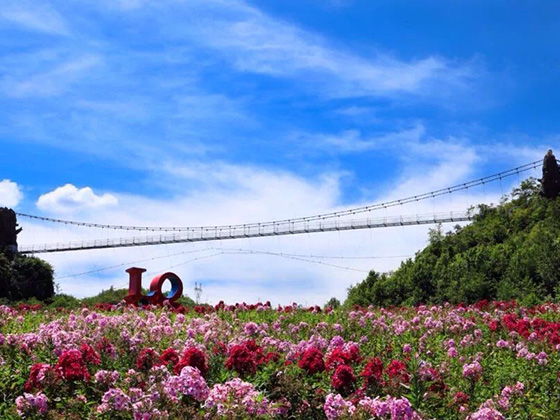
(23, 277)
(509, 251)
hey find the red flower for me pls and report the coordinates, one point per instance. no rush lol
(220, 348)
(373, 373)
(272, 356)
(461, 398)
(312, 361)
(353, 353)
(169, 356)
(336, 358)
(256, 350)
(397, 369)
(39, 374)
(89, 354)
(343, 379)
(343, 357)
(71, 366)
(242, 360)
(192, 357)
(146, 359)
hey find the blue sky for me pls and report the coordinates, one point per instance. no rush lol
(206, 112)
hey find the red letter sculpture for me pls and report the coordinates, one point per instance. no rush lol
(155, 295)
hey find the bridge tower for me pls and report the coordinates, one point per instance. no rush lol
(8, 231)
(550, 181)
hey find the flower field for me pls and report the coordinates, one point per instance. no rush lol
(487, 361)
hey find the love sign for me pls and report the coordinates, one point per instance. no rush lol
(155, 296)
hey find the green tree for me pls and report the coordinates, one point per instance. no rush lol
(509, 251)
(31, 277)
(333, 303)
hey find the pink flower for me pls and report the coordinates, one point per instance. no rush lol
(486, 411)
(472, 371)
(29, 404)
(251, 328)
(237, 398)
(335, 406)
(114, 400)
(189, 382)
(452, 352)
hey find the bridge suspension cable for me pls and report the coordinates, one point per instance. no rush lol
(357, 210)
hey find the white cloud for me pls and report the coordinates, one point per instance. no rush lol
(352, 141)
(69, 198)
(10, 193)
(253, 41)
(54, 81)
(36, 16)
(256, 42)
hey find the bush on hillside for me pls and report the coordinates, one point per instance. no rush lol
(509, 251)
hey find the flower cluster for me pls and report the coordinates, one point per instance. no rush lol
(472, 371)
(245, 357)
(236, 397)
(192, 357)
(312, 361)
(72, 367)
(30, 404)
(146, 359)
(189, 382)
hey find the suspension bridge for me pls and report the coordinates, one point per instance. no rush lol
(251, 231)
(327, 222)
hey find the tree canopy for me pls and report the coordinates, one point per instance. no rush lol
(510, 251)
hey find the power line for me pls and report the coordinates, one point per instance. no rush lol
(320, 257)
(183, 263)
(231, 251)
(130, 263)
(249, 252)
(392, 203)
(236, 251)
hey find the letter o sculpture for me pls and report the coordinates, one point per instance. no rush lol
(155, 294)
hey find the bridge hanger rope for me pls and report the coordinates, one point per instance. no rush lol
(384, 205)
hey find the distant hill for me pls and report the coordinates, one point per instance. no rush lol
(510, 251)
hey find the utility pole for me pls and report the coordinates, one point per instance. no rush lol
(197, 291)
